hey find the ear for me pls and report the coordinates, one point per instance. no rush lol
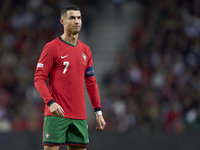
(61, 21)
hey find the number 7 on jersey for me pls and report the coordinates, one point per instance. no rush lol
(66, 64)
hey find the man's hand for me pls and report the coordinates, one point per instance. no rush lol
(100, 122)
(56, 110)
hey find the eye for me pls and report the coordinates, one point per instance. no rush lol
(71, 17)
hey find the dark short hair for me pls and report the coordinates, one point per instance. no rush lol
(68, 7)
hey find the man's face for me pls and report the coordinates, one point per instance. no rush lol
(72, 21)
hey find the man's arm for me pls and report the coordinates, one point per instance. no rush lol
(93, 92)
(45, 94)
(43, 68)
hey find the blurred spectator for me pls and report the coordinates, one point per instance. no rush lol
(118, 4)
(157, 76)
(155, 86)
(25, 27)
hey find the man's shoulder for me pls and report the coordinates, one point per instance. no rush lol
(53, 42)
(51, 46)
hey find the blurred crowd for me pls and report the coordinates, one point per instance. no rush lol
(154, 87)
(25, 27)
(156, 83)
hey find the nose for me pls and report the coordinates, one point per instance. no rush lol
(77, 21)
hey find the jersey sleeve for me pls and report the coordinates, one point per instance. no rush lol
(91, 85)
(44, 66)
(93, 92)
(90, 61)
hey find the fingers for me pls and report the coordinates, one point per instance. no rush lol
(101, 123)
(57, 110)
(100, 127)
(61, 112)
(56, 113)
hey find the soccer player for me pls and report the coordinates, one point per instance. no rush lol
(67, 62)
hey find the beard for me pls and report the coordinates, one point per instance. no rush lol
(73, 31)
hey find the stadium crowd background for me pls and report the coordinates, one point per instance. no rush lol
(156, 84)
(154, 88)
(25, 27)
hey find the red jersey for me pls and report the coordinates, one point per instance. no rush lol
(66, 66)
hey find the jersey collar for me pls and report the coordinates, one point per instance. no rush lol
(68, 43)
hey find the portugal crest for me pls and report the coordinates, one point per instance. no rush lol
(47, 135)
(84, 57)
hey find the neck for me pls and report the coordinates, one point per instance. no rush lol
(72, 39)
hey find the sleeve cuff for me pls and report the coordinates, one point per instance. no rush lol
(97, 109)
(50, 102)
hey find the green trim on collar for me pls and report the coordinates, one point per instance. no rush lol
(68, 43)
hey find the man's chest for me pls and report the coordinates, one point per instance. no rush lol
(71, 59)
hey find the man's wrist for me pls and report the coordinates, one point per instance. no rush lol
(98, 112)
(51, 102)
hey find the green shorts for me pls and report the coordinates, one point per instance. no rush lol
(58, 131)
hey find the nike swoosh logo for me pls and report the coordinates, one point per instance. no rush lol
(64, 56)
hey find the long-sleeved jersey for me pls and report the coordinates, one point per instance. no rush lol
(67, 66)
